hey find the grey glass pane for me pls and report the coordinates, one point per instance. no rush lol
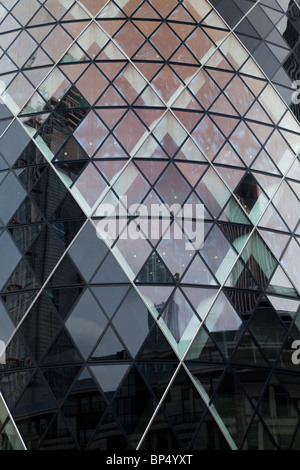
(11, 196)
(11, 147)
(9, 256)
(110, 297)
(86, 323)
(88, 251)
(6, 329)
(109, 348)
(109, 376)
(133, 312)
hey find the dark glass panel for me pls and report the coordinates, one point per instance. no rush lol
(134, 406)
(183, 408)
(88, 250)
(86, 322)
(34, 411)
(62, 351)
(40, 326)
(110, 436)
(160, 436)
(58, 436)
(60, 380)
(84, 408)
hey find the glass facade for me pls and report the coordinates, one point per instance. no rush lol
(149, 342)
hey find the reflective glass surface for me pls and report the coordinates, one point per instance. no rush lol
(119, 329)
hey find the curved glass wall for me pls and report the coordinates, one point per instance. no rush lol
(176, 332)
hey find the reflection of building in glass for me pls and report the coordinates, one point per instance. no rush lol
(139, 343)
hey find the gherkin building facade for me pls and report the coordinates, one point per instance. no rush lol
(138, 343)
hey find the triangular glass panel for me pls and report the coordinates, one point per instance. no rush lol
(86, 323)
(244, 301)
(259, 259)
(280, 284)
(204, 349)
(73, 155)
(58, 436)
(133, 311)
(111, 116)
(17, 303)
(60, 379)
(219, 254)
(275, 397)
(139, 398)
(296, 440)
(40, 192)
(17, 354)
(66, 231)
(198, 273)
(13, 193)
(88, 251)
(109, 297)
(200, 298)
(62, 351)
(21, 278)
(158, 375)
(110, 272)
(43, 267)
(208, 441)
(109, 377)
(92, 83)
(175, 193)
(191, 401)
(63, 298)
(234, 213)
(223, 323)
(58, 278)
(155, 271)
(151, 149)
(7, 244)
(110, 435)
(248, 351)
(155, 296)
(35, 327)
(230, 402)
(180, 319)
(44, 404)
(268, 329)
(272, 220)
(258, 437)
(84, 418)
(68, 209)
(24, 236)
(160, 436)
(29, 175)
(276, 241)
(11, 439)
(156, 347)
(109, 348)
(90, 133)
